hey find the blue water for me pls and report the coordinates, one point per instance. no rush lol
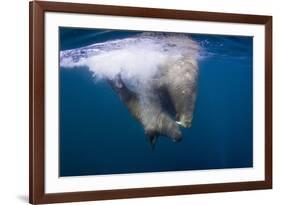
(98, 135)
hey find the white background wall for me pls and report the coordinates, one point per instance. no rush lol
(14, 100)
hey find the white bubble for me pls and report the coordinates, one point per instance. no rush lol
(136, 59)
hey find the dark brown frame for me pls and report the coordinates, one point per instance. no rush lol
(37, 9)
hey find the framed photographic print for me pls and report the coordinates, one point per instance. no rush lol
(139, 102)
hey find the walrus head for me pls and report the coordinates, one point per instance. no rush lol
(162, 125)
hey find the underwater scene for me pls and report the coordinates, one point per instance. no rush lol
(138, 101)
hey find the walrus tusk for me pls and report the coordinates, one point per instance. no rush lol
(180, 123)
(183, 125)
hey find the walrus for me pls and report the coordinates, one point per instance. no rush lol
(176, 84)
(154, 74)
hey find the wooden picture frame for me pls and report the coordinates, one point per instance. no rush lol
(37, 10)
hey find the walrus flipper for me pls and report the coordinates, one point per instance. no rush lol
(152, 139)
(119, 86)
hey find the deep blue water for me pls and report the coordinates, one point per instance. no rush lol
(99, 136)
